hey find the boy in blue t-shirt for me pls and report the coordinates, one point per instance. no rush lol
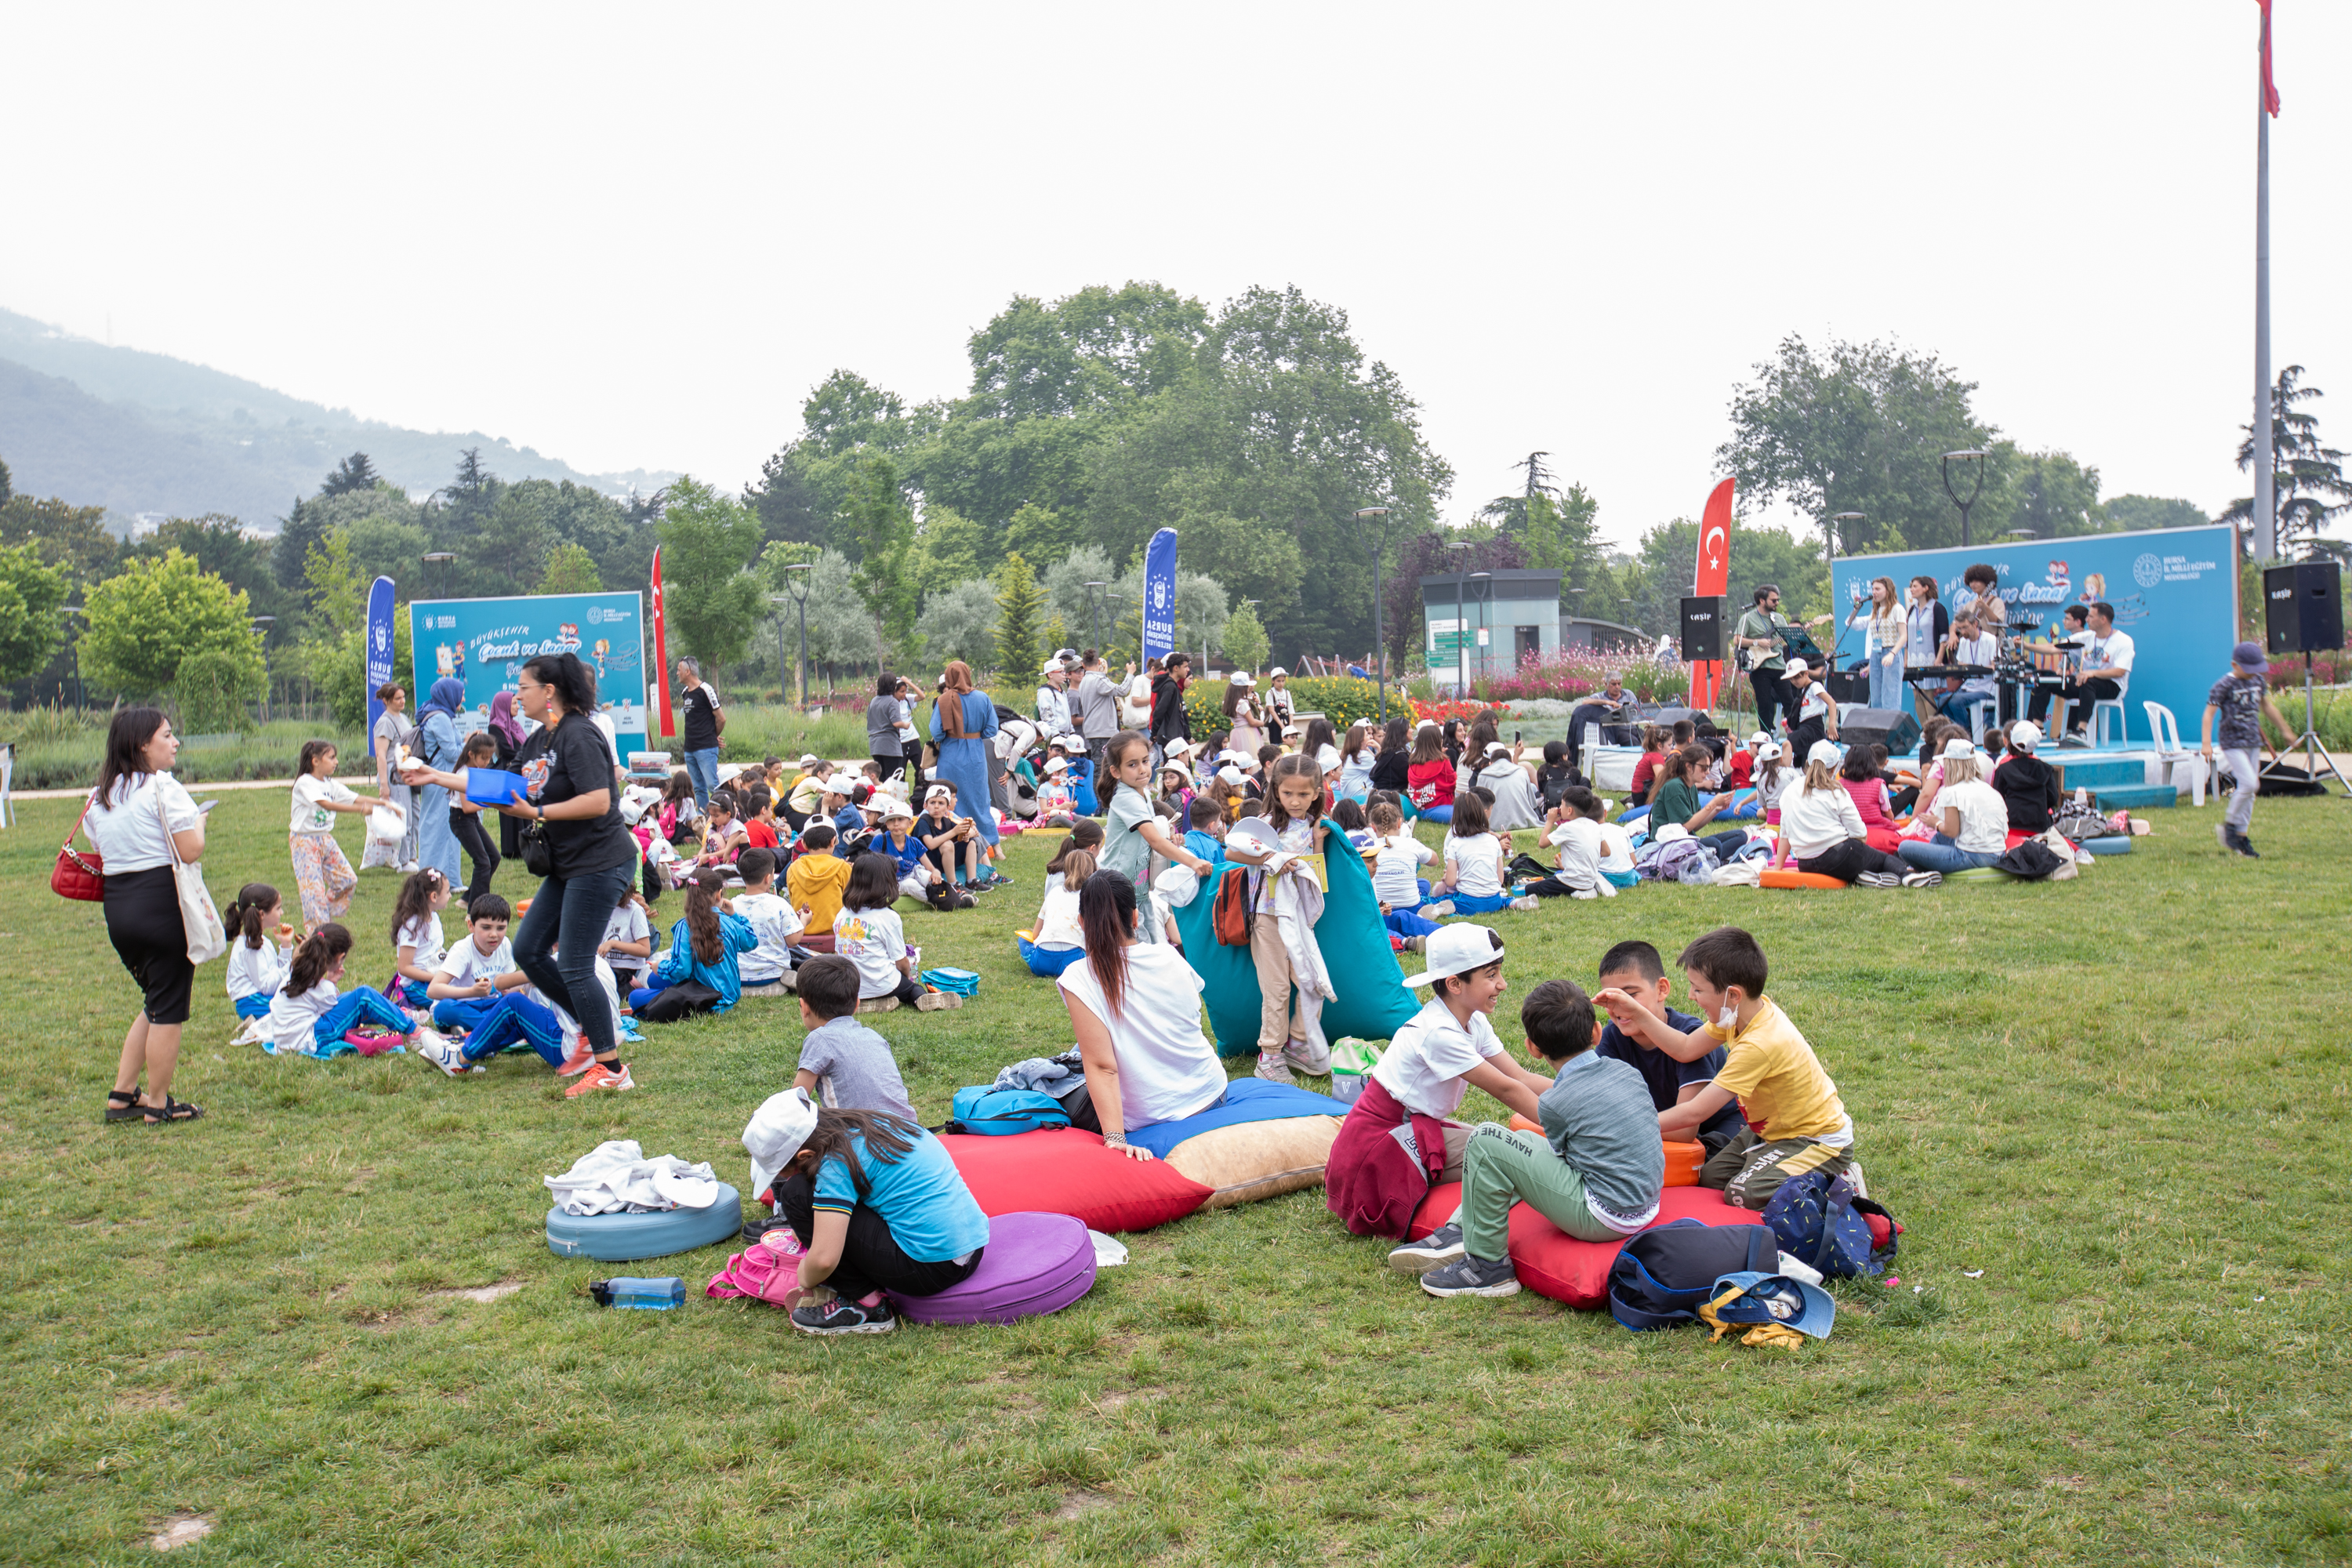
(1205, 835)
(1635, 968)
(2239, 699)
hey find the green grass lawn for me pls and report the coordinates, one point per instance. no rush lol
(2117, 1097)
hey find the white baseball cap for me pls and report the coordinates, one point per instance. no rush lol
(938, 792)
(809, 759)
(896, 808)
(1761, 738)
(1498, 749)
(1824, 752)
(1180, 747)
(1057, 766)
(1229, 775)
(775, 1133)
(1241, 677)
(1671, 833)
(1767, 752)
(1959, 746)
(1277, 669)
(2025, 734)
(1458, 949)
(1796, 667)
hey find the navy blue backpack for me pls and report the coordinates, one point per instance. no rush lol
(1821, 1221)
(1662, 1276)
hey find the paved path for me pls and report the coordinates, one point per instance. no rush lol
(357, 781)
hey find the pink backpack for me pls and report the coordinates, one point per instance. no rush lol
(768, 1270)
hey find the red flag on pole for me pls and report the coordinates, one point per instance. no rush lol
(2270, 87)
(660, 671)
(1711, 579)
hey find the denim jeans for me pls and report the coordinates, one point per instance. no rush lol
(571, 912)
(702, 771)
(1885, 682)
(1945, 854)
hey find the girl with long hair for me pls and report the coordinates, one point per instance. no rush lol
(1135, 830)
(1392, 757)
(418, 946)
(321, 873)
(1820, 831)
(261, 946)
(964, 722)
(1358, 753)
(1245, 729)
(701, 972)
(1971, 817)
(466, 820)
(1474, 875)
(1430, 777)
(1883, 627)
(309, 1017)
(1135, 1007)
(1058, 941)
(1286, 1038)
(869, 933)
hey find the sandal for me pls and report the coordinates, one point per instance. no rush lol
(170, 1110)
(122, 1105)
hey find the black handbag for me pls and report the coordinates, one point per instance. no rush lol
(538, 855)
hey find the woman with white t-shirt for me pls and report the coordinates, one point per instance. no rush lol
(136, 803)
(1972, 819)
(1136, 1009)
(1821, 831)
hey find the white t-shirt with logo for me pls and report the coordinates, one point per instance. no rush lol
(423, 934)
(628, 924)
(1427, 1063)
(2112, 651)
(310, 816)
(875, 941)
(775, 921)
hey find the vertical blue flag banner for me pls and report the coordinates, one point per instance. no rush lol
(2175, 590)
(1160, 596)
(483, 643)
(379, 651)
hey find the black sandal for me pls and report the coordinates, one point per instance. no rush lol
(122, 1105)
(170, 1110)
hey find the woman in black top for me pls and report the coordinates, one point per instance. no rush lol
(1395, 756)
(567, 767)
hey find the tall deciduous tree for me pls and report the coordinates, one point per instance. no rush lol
(711, 602)
(1245, 637)
(570, 568)
(883, 527)
(152, 615)
(31, 594)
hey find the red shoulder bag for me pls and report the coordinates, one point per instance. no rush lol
(77, 875)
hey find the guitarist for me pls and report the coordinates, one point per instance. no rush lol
(1758, 639)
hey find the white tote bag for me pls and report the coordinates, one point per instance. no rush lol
(206, 939)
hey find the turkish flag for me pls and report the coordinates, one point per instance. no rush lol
(660, 671)
(2270, 87)
(1711, 578)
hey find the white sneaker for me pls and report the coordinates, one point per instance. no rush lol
(1313, 1060)
(440, 1050)
(1274, 1069)
(1437, 911)
(1529, 902)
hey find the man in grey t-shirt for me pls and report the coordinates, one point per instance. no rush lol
(1097, 715)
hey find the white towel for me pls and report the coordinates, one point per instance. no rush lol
(617, 1178)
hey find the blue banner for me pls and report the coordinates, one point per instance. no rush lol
(1160, 596)
(483, 643)
(2175, 593)
(379, 651)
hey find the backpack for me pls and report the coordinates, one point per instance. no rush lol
(994, 1112)
(1662, 1276)
(1821, 1221)
(957, 982)
(767, 1270)
(1232, 914)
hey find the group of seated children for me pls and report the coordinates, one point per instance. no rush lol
(1737, 1078)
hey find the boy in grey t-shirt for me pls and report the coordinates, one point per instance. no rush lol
(1595, 1172)
(844, 1064)
(2241, 700)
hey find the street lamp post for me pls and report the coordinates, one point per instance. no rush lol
(260, 626)
(74, 637)
(1379, 639)
(441, 558)
(1461, 654)
(1486, 581)
(1978, 460)
(797, 584)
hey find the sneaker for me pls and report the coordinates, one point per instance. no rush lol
(1416, 943)
(1437, 911)
(1585, 893)
(2074, 738)
(963, 901)
(840, 1317)
(1530, 902)
(1468, 1276)
(1438, 1248)
(2221, 836)
(1274, 1069)
(1313, 1060)
(601, 1077)
(441, 1051)
(936, 1001)
(1878, 879)
(2245, 845)
(1923, 878)
(578, 1061)
(878, 1004)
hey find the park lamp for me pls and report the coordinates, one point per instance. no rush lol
(1848, 522)
(1379, 632)
(1974, 460)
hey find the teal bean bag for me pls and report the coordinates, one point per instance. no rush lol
(1373, 1002)
(1979, 874)
(2116, 844)
(625, 1237)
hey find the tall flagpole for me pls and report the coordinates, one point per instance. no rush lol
(2265, 517)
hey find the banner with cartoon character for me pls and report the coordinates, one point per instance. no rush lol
(1160, 596)
(483, 643)
(2174, 590)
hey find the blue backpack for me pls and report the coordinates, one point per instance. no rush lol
(993, 1112)
(1820, 1221)
(1663, 1276)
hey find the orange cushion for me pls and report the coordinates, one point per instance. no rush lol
(1797, 879)
(1683, 1160)
(1550, 1262)
(1061, 1170)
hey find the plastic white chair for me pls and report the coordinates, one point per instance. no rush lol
(2101, 712)
(1980, 713)
(2171, 756)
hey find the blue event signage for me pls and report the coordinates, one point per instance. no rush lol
(379, 651)
(483, 642)
(2174, 590)
(1160, 596)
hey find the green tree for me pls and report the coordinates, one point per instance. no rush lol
(1245, 637)
(1862, 428)
(707, 541)
(2137, 513)
(2309, 488)
(31, 596)
(840, 630)
(214, 690)
(222, 547)
(1560, 536)
(1066, 594)
(2046, 494)
(948, 547)
(1019, 608)
(354, 473)
(1039, 533)
(959, 622)
(511, 538)
(883, 526)
(73, 537)
(7, 485)
(147, 618)
(570, 568)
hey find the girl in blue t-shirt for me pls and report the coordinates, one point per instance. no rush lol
(877, 1205)
(700, 974)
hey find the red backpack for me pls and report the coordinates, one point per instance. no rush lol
(1232, 914)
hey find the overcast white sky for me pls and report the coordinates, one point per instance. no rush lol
(636, 235)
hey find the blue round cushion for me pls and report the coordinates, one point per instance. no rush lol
(2118, 844)
(625, 1237)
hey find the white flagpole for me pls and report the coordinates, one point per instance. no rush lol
(2265, 517)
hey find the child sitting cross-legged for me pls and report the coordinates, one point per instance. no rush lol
(772, 919)
(308, 1015)
(869, 933)
(628, 942)
(478, 991)
(917, 878)
(1475, 863)
(1595, 1171)
(417, 944)
(261, 947)
(1795, 1122)
(813, 882)
(700, 972)
(843, 1063)
(1059, 940)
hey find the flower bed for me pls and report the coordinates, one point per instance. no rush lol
(1565, 675)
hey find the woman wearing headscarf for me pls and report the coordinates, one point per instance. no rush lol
(439, 745)
(963, 721)
(506, 734)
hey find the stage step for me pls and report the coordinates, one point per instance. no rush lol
(2080, 770)
(2126, 798)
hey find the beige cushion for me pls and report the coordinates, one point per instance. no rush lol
(1255, 1159)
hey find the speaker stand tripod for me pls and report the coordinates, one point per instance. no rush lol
(2315, 751)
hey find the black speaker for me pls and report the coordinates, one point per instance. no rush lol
(1668, 718)
(1892, 728)
(1847, 685)
(2303, 606)
(1702, 636)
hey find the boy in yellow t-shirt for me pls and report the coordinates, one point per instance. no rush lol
(1795, 1122)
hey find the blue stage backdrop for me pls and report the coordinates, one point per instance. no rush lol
(2175, 590)
(483, 642)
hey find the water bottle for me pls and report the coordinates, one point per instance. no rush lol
(644, 1295)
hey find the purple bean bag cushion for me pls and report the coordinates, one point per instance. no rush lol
(1036, 1264)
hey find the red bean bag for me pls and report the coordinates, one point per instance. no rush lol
(1797, 879)
(1885, 840)
(1550, 1262)
(1065, 1171)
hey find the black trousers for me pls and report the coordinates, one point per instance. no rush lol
(682, 999)
(891, 765)
(915, 771)
(871, 1258)
(467, 826)
(1851, 860)
(1772, 697)
(2079, 696)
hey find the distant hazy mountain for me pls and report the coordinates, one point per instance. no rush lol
(136, 432)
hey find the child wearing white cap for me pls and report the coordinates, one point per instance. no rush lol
(1821, 831)
(877, 1205)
